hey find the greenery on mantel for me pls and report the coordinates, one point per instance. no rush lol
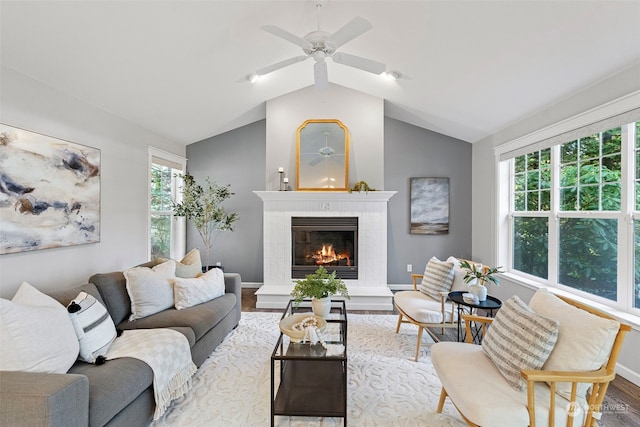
(361, 186)
(203, 206)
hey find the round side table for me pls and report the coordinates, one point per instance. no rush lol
(489, 305)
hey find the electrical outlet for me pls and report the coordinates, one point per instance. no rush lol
(409, 268)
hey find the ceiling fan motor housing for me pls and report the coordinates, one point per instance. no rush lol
(319, 43)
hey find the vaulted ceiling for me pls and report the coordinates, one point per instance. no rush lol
(470, 68)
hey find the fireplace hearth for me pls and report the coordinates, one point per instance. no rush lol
(330, 242)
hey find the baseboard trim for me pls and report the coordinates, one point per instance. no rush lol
(628, 374)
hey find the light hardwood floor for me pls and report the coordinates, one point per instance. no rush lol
(622, 402)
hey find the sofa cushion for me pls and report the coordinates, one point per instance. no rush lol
(584, 339)
(480, 392)
(150, 289)
(519, 339)
(200, 318)
(438, 277)
(113, 386)
(93, 325)
(190, 292)
(36, 334)
(459, 273)
(423, 308)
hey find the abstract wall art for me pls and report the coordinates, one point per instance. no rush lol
(429, 206)
(49, 192)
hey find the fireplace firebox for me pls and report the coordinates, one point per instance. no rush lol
(331, 242)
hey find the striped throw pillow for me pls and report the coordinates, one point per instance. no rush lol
(519, 339)
(438, 277)
(93, 325)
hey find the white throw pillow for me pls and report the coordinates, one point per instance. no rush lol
(458, 276)
(519, 339)
(93, 325)
(189, 266)
(189, 292)
(150, 289)
(36, 333)
(584, 339)
(438, 277)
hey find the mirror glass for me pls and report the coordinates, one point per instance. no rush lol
(322, 156)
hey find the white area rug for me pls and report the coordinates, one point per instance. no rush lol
(385, 386)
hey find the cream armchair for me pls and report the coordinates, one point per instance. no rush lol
(567, 391)
(430, 310)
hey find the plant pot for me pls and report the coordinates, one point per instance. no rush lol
(479, 291)
(321, 307)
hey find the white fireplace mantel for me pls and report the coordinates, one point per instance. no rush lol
(370, 290)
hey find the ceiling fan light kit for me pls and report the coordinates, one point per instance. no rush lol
(320, 45)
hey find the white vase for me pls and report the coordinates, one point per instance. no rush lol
(479, 291)
(321, 307)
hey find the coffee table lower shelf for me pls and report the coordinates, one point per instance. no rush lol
(312, 388)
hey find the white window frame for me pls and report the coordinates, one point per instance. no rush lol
(177, 247)
(625, 218)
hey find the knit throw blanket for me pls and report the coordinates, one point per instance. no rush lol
(167, 352)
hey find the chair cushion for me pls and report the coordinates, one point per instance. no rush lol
(584, 339)
(484, 396)
(422, 308)
(438, 277)
(458, 284)
(519, 339)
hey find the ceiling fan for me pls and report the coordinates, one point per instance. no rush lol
(325, 152)
(320, 45)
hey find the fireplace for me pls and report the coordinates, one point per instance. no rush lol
(331, 242)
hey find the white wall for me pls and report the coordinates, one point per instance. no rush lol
(362, 114)
(33, 106)
(484, 246)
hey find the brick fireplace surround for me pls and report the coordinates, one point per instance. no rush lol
(370, 290)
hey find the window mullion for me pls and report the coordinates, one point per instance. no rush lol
(625, 226)
(554, 243)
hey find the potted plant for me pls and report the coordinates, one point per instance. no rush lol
(478, 276)
(319, 286)
(203, 206)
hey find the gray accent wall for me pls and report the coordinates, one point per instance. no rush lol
(411, 151)
(238, 158)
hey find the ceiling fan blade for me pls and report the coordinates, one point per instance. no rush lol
(359, 62)
(273, 67)
(320, 75)
(284, 34)
(315, 161)
(350, 31)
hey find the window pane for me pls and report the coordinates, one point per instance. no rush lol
(568, 199)
(588, 253)
(590, 172)
(568, 175)
(611, 168)
(589, 198)
(545, 157)
(530, 246)
(611, 197)
(533, 161)
(160, 235)
(520, 164)
(612, 141)
(590, 147)
(545, 200)
(569, 152)
(532, 201)
(533, 180)
(520, 202)
(519, 182)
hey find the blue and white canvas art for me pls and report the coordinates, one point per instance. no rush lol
(49, 192)
(429, 206)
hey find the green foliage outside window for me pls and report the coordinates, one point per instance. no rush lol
(161, 184)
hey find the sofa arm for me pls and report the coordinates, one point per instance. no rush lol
(39, 399)
(233, 284)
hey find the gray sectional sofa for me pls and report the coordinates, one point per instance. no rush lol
(119, 392)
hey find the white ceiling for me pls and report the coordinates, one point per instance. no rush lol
(172, 67)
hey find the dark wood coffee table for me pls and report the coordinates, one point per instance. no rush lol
(305, 381)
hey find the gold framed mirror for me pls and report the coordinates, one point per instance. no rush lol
(322, 156)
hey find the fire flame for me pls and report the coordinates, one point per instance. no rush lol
(327, 255)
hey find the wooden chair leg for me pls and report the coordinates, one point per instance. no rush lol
(419, 339)
(399, 323)
(443, 396)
